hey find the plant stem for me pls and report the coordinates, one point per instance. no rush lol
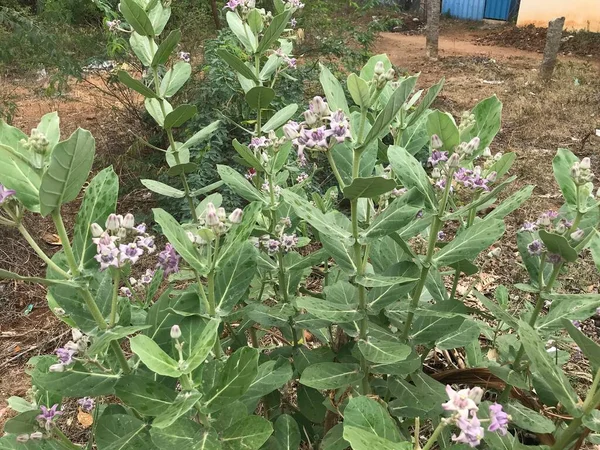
(40, 252)
(64, 239)
(212, 308)
(417, 433)
(335, 170)
(571, 432)
(115, 298)
(455, 284)
(434, 437)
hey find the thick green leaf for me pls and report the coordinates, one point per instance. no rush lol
(155, 108)
(250, 433)
(361, 439)
(165, 48)
(511, 203)
(411, 174)
(383, 352)
(174, 79)
(332, 312)
(336, 99)
(443, 125)
(529, 420)
(203, 345)
(543, 364)
(23, 423)
(242, 31)
(428, 99)
(503, 165)
(183, 403)
(594, 246)
(234, 379)
(592, 420)
(105, 337)
(311, 404)
(247, 155)
(588, 347)
(374, 280)
(178, 237)
(239, 184)
(271, 375)
(386, 116)
(568, 306)
(99, 201)
(162, 188)
(359, 90)
(146, 395)
(144, 48)
(399, 213)
(368, 70)
(286, 434)
(185, 434)
(19, 175)
(260, 97)
(334, 439)
(237, 64)
(555, 243)
(69, 168)
(368, 187)
(179, 116)
(274, 30)
(488, 117)
(50, 126)
(369, 415)
(120, 431)
(137, 18)
(280, 118)
(136, 85)
(467, 332)
(331, 375)
(76, 382)
(153, 356)
(201, 135)
(470, 242)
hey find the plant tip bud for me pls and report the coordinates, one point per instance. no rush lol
(236, 216)
(175, 332)
(379, 69)
(96, 230)
(577, 235)
(128, 221)
(436, 142)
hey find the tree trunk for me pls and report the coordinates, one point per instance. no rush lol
(553, 40)
(433, 28)
(215, 13)
(422, 10)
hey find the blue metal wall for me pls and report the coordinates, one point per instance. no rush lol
(464, 9)
(498, 9)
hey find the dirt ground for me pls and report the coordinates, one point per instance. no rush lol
(537, 119)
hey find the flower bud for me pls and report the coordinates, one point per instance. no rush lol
(310, 118)
(212, 219)
(476, 394)
(492, 176)
(122, 233)
(290, 130)
(454, 161)
(175, 332)
(113, 222)
(210, 208)
(472, 146)
(22, 438)
(390, 74)
(487, 153)
(320, 106)
(221, 214)
(36, 436)
(436, 142)
(76, 333)
(575, 170)
(96, 230)
(379, 69)
(577, 235)
(560, 228)
(496, 253)
(56, 368)
(236, 216)
(435, 173)
(191, 236)
(497, 156)
(585, 164)
(128, 221)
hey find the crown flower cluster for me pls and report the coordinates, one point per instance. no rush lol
(464, 405)
(321, 130)
(121, 242)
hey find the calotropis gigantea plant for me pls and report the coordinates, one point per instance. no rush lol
(229, 346)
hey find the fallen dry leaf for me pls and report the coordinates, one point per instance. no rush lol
(85, 419)
(51, 239)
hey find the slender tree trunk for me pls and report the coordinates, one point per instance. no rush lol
(215, 13)
(553, 39)
(422, 10)
(433, 28)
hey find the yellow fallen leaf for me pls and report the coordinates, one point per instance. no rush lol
(85, 419)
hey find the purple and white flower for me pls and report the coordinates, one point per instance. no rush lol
(471, 431)
(499, 419)
(47, 416)
(535, 248)
(6, 194)
(86, 403)
(437, 157)
(168, 260)
(528, 226)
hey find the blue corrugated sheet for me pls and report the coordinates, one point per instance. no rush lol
(498, 9)
(464, 9)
